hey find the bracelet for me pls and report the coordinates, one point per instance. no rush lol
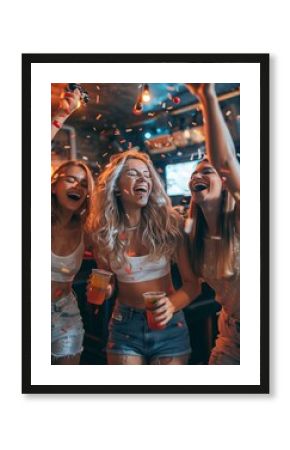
(56, 123)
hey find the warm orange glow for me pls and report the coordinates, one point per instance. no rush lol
(137, 108)
(146, 97)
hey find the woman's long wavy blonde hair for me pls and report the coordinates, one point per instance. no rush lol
(160, 224)
(224, 247)
(83, 213)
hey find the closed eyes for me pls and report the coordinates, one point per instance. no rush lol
(134, 173)
(71, 180)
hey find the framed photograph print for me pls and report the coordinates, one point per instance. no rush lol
(145, 223)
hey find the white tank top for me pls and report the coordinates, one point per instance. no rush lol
(140, 268)
(65, 268)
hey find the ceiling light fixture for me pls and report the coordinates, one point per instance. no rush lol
(146, 97)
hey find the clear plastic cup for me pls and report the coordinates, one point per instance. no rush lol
(99, 282)
(150, 298)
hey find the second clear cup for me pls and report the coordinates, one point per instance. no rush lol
(150, 298)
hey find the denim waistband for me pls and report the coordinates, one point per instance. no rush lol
(129, 312)
(58, 304)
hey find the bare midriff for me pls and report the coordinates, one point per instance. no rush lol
(130, 294)
(60, 289)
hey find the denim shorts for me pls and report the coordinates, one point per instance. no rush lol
(67, 331)
(129, 335)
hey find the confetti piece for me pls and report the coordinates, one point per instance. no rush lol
(128, 130)
(88, 136)
(85, 158)
(163, 156)
(151, 114)
(65, 270)
(57, 292)
(67, 146)
(169, 108)
(98, 116)
(188, 225)
(122, 236)
(192, 156)
(97, 99)
(179, 153)
(169, 96)
(176, 100)
(98, 87)
(164, 105)
(170, 123)
(199, 154)
(159, 170)
(180, 324)
(126, 191)
(228, 113)
(104, 154)
(128, 270)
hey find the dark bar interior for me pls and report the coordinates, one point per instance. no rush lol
(166, 123)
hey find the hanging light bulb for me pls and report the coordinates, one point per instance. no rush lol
(138, 108)
(146, 97)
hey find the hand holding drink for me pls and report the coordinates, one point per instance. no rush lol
(99, 282)
(150, 299)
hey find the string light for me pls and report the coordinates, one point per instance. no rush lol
(138, 108)
(146, 97)
(143, 97)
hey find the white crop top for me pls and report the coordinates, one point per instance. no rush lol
(64, 268)
(140, 268)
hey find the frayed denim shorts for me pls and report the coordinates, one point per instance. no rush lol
(129, 334)
(67, 331)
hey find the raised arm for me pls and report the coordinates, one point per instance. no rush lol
(68, 104)
(220, 147)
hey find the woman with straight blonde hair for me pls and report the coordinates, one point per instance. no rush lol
(214, 224)
(72, 187)
(137, 233)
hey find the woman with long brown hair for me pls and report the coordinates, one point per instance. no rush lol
(214, 219)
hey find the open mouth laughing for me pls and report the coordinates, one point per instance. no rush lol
(141, 189)
(199, 186)
(73, 195)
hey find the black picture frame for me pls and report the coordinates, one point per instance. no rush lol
(263, 61)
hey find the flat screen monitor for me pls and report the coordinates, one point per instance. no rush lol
(177, 177)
